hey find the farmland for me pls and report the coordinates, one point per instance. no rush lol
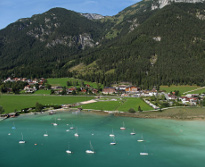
(11, 103)
(119, 105)
(182, 88)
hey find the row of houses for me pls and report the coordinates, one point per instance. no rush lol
(29, 81)
(59, 90)
(129, 91)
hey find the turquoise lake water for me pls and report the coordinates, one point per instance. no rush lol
(169, 143)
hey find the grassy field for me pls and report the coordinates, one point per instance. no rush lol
(119, 105)
(198, 91)
(181, 89)
(63, 82)
(11, 103)
(180, 113)
(43, 92)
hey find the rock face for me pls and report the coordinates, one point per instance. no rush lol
(92, 16)
(162, 3)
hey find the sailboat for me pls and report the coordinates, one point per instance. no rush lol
(72, 127)
(141, 140)
(114, 142)
(13, 127)
(91, 151)
(144, 153)
(22, 141)
(68, 151)
(123, 127)
(76, 134)
(45, 134)
(55, 124)
(133, 132)
(112, 134)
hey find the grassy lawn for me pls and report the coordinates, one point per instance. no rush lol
(181, 89)
(134, 103)
(12, 102)
(63, 82)
(198, 91)
(119, 105)
(44, 92)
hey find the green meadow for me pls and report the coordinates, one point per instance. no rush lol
(198, 91)
(182, 88)
(11, 103)
(119, 105)
(63, 82)
(43, 92)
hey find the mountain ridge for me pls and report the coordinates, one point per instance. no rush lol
(136, 45)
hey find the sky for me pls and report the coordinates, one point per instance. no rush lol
(12, 10)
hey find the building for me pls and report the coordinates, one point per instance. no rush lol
(109, 91)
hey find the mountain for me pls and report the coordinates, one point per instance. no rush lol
(44, 39)
(92, 16)
(149, 43)
(167, 47)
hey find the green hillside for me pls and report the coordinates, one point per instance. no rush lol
(140, 45)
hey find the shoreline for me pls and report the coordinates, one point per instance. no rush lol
(156, 114)
(180, 114)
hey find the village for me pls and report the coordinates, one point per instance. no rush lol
(157, 99)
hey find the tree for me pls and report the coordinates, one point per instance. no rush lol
(38, 107)
(64, 91)
(73, 92)
(69, 83)
(139, 109)
(1, 110)
(131, 110)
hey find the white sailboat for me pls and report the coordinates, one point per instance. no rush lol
(76, 134)
(72, 127)
(91, 151)
(123, 127)
(45, 134)
(114, 142)
(144, 153)
(140, 140)
(133, 132)
(68, 151)
(112, 134)
(55, 124)
(22, 141)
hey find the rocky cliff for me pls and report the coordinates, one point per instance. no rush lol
(162, 3)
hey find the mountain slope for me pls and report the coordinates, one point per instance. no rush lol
(168, 48)
(144, 45)
(49, 37)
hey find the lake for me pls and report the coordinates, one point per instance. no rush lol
(168, 143)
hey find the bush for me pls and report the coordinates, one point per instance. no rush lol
(38, 107)
(131, 110)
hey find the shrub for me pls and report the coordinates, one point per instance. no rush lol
(131, 110)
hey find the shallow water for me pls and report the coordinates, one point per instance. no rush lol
(169, 143)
